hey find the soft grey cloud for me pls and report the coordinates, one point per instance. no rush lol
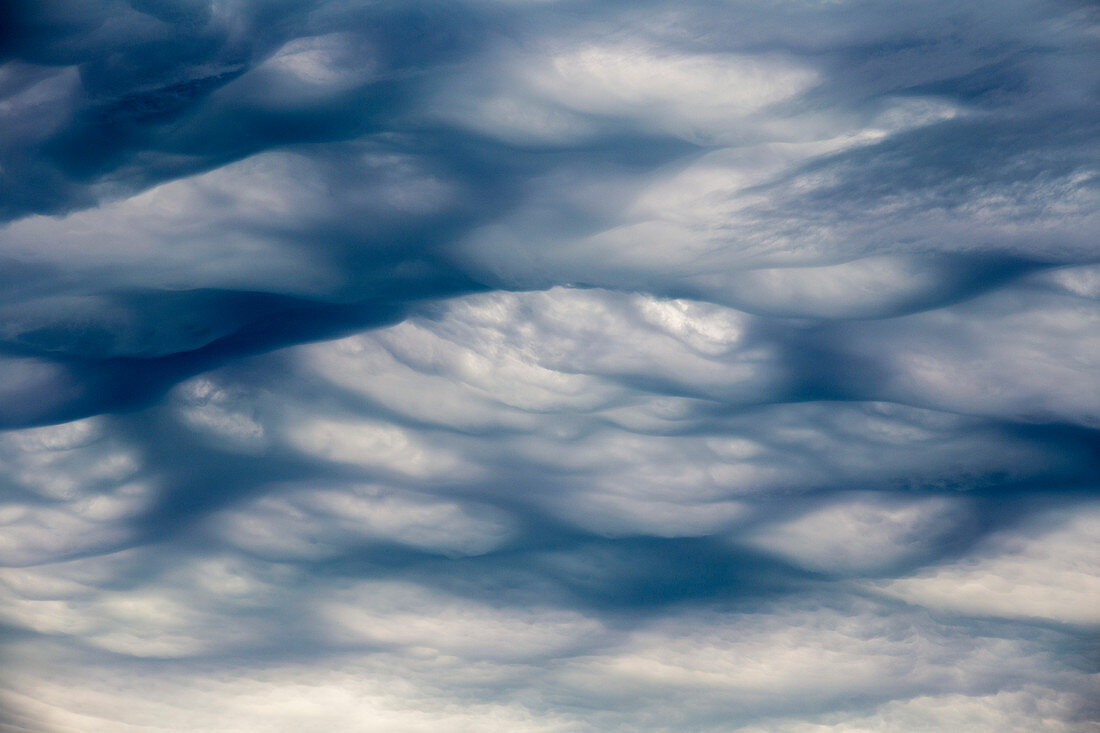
(1032, 572)
(548, 366)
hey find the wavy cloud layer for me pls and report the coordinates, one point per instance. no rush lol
(549, 366)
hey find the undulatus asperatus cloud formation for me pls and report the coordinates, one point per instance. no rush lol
(492, 365)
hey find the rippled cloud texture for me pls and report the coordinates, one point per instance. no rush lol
(549, 366)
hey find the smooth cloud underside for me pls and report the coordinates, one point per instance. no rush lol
(549, 366)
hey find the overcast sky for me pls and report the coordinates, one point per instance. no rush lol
(491, 365)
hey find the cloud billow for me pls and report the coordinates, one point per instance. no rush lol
(548, 366)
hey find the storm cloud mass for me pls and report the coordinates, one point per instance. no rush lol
(549, 366)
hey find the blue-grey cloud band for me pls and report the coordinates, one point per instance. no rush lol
(550, 366)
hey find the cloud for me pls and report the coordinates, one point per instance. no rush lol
(548, 366)
(1007, 711)
(1013, 353)
(780, 661)
(571, 90)
(1037, 572)
(72, 487)
(319, 522)
(862, 534)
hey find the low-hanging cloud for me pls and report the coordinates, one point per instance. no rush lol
(548, 366)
